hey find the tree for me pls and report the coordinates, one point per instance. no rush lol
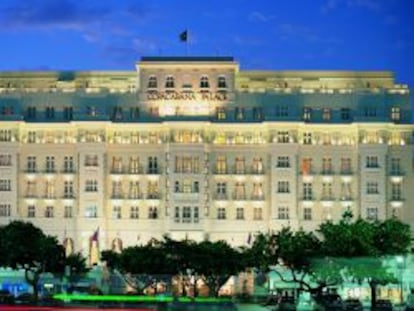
(22, 245)
(75, 268)
(364, 248)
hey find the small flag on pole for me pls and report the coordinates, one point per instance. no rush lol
(184, 36)
(95, 235)
(249, 238)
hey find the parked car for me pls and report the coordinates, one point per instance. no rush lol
(329, 302)
(383, 305)
(353, 305)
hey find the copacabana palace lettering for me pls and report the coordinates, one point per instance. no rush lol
(174, 95)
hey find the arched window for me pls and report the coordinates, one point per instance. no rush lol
(221, 82)
(169, 82)
(152, 82)
(117, 245)
(204, 82)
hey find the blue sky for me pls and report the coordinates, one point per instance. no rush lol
(261, 34)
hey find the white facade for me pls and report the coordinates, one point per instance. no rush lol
(193, 148)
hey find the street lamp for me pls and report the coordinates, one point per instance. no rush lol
(401, 266)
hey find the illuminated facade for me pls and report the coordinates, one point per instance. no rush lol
(193, 147)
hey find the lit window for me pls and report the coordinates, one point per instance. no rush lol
(307, 113)
(220, 113)
(395, 113)
(91, 211)
(326, 114)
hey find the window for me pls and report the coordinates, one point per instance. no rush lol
(306, 166)
(221, 82)
(5, 135)
(307, 191)
(31, 112)
(371, 162)
(283, 212)
(186, 215)
(239, 213)
(372, 187)
(221, 190)
(326, 114)
(177, 214)
(117, 113)
(221, 213)
(257, 166)
(49, 212)
(5, 210)
(327, 191)
(91, 185)
(134, 212)
(152, 212)
(239, 113)
(240, 165)
(134, 166)
(395, 166)
(50, 112)
(152, 82)
(31, 137)
(116, 212)
(152, 190)
(169, 82)
(240, 191)
(68, 164)
(196, 214)
(50, 190)
(134, 191)
(5, 185)
(346, 191)
(326, 165)
(307, 213)
(346, 167)
(68, 113)
(370, 112)
(5, 160)
(204, 82)
(283, 161)
(68, 211)
(134, 113)
(117, 166)
(257, 113)
(220, 113)
(221, 165)
(345, 114)
(31, 189)
(283, 137)
(395, 113)
(396, 191)
(91, 160)
(282, 111)
(152, 165)
(31, 211)
(68, 189)
(307, 114)
(257, 191)
(50, 164)
(283, 187)
(257, 213)
(91, 111)
(307, 138)
(7, 110)
(91, 211)
(372, 213)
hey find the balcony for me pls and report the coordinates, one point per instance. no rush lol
(257, 197)
(153, 171)
(396, 201)
(327, 172)
(396, 173)
(220, 197)
(346, 172)
(117, 196)
(239, 197)
(222, 171)
(68, 171)
(153, 196)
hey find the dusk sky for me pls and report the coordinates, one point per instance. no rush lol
(272, 34)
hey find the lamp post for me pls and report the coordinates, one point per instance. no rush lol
(401, 265)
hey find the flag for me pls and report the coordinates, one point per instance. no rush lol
(184, 36)
(249, 238)
(95, 235)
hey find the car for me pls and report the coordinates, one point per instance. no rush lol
(329, 302)
(383, 305)
(353, 305)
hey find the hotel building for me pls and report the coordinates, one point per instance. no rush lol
(195, 148)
